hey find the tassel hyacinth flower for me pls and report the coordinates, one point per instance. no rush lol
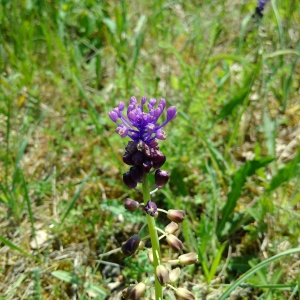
(141, 124)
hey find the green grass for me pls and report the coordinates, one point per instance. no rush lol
(233, 151)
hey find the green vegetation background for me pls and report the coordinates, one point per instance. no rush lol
(233, 151)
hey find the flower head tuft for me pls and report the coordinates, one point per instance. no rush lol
(140, 125)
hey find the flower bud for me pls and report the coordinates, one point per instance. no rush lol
(174, 274)
(131, 205)
(129, 181)
(138, 291)
(127, 159)
(161, 178)
(150, 208)
(157, 165)
(131, 147)
(162, 275)
(138, 158)
(147, 165)
(157, 156)
(147, 151)
(171, 113)
(174, 242)
(184, 294)
(176, 215)
(136, 173)
(171, 228)
(131, 245)
(188, 258)
(150, 257)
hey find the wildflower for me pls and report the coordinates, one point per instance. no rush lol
(171, 227)
(162, 275)
(131, 245)
(176, 215)
(174, 242)
(141, 125)
(174, 274)
(184, 294)
(188, 258)
(131, 205)
(161, 178)
(150, 208)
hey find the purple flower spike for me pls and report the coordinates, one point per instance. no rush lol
(150, 208)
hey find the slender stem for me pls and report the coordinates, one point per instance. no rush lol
(154, 239)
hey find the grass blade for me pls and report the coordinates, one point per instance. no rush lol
(255, 269)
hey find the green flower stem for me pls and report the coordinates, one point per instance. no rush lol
(153, 237)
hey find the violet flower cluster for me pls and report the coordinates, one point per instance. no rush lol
(142, 153)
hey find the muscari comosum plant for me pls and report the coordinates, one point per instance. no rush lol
(143, 155)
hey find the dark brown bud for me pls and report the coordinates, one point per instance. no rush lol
(138, 158)
(185, 294)
(131, 245)
(162, 275)
(147, 151)
(129, 181)
(157, 165)
(131, 147)
(127, 159)
(174, 242)
(171, 228)
(147, 165)
(188, 258)
(157, 156)
(161, 178)
(176, 215)
(136, 173)
(131, 205)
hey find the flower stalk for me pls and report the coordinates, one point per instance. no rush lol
(153, 237)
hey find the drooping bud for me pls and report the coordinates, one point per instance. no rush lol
(136, 173)
(162, 275)
(174, 242)
(185, 294)
(188, 258)
(129, 181)
(131, 205)
(157, 165)
(174, 274)
(150, 257)
(150, 208)
(171, 228)
(176, 215)
(147, 165)
(127, 159)
(131, 147)
(131, 245)
(171, 113)
(146, 150)
(157, 156)
(137, 291)
(161, 178)
(122, 131)
(138, 158)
